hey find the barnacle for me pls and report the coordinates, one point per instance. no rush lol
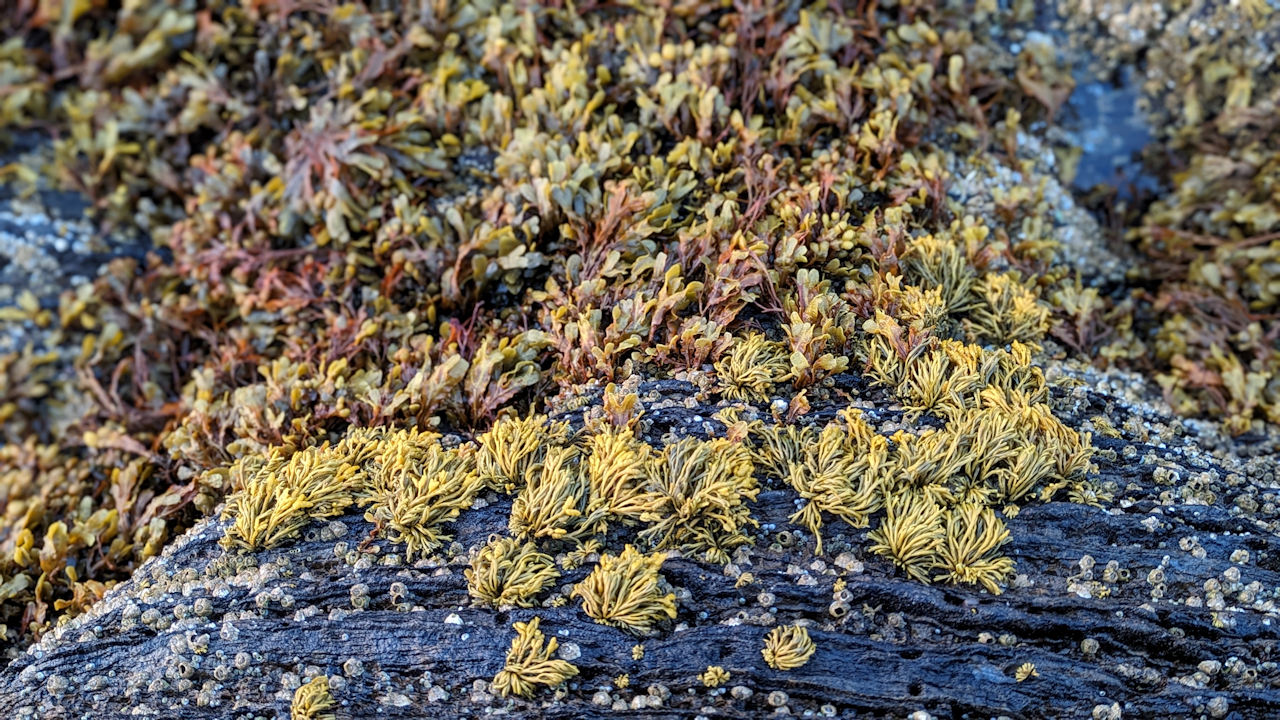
(787, 647)
(505, 572)
(625, 591)
(714, 676)
(1026, 671)
(752, 367)
(967, 553)
(286, 492)
(529, 663)
(312, 701)
(699, 492)
(910, 533)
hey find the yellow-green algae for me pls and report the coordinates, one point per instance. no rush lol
(421, 221)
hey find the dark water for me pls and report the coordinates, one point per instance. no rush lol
(1111, 131)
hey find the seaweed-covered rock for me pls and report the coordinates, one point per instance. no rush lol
(1161, 604)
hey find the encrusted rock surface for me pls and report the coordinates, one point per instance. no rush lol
(1183, 624)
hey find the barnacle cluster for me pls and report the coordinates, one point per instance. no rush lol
(390, 242)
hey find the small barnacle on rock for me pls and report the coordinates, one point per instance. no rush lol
(714, 676)
(530, 663)
(787, 647)
(624, 591)
(312, 701)
(1025, 671)
(506, 572)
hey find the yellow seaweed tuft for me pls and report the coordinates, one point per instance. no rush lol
(554, 502)
(1007, 310)
(714, 676)
(752, 367)
(312, 701)
(529, 663)
(909, 534)
(615, 469)
(699, 492)
(505, 572)
(625, 591)
(787, 647)
(514, 446)
(415, 488)
(967, 553)
(778, 448)
(838, 477)
(284, 493)
(938, 262)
